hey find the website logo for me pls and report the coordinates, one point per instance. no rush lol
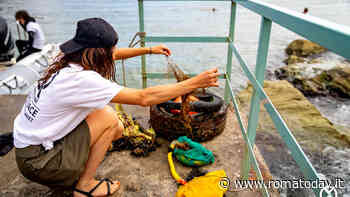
(329, 190)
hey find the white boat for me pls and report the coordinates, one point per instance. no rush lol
(20, 78)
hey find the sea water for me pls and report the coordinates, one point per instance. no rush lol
(58, 20)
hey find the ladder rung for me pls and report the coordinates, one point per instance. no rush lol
(186, 39)
(168, 75)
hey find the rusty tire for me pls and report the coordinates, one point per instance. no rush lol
(205, 125)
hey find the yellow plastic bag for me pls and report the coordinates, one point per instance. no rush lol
(204, 186)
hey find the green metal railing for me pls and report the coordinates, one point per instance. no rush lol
(330, 35)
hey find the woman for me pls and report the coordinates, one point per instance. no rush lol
(65, 127)
(36, 36)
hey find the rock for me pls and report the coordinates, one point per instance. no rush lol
(328, 150)
(338, 167)
(304, 48)
(344, 130)
(292, 59)
(337, 81)
(326, 146)
(315, 61)
(318, 79)
(307, 124)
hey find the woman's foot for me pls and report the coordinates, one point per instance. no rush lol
(96, 188)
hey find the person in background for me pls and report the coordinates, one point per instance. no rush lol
(7, 47)
(66, 126)
(36, 40)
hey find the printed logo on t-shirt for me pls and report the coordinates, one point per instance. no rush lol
(37, 90)
(32, 110)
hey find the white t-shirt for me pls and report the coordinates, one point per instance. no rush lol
(38, 37)
(61, 104)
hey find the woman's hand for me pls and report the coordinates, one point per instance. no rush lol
(161, 93)
(206, 79)
(160, 49)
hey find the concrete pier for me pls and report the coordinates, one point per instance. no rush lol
(140, 177)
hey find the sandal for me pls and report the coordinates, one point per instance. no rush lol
(89, 194)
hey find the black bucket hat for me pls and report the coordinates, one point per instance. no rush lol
(91, 33)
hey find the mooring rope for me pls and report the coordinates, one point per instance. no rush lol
(122, 69)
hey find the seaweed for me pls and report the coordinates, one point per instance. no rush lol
(139, 140)
(185, 104)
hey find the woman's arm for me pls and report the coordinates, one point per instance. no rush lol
(124, 53)
(162, 93)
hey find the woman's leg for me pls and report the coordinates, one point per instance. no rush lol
(105, 127)
(22, 45)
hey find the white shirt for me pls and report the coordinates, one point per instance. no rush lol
(54, 110)
(38, 37)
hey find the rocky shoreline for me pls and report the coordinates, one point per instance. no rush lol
(330, 163)
(307, 77)
(327, 146)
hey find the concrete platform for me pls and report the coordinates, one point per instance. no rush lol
(140, 177)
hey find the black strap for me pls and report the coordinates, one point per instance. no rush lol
(83, 192)
(98, 184)
(108, 187)
(89, 194)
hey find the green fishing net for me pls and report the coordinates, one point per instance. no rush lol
(198, 155)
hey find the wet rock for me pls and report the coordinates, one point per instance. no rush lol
(330, 163)
(292, 59)
(319, 79)
(304, 120)
(315, 61)
(328, 150)
(338, 167)
(304, 48)
(337, 81)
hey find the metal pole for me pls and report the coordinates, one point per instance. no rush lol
(142, 29)
(264, 40)
(18, 31)
(229, 50)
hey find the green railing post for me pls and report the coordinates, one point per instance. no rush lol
(229, 50)
(264, 39)
(296, 151)
(249, 146)
(142, 29)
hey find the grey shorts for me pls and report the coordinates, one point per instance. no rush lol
(61, 166)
